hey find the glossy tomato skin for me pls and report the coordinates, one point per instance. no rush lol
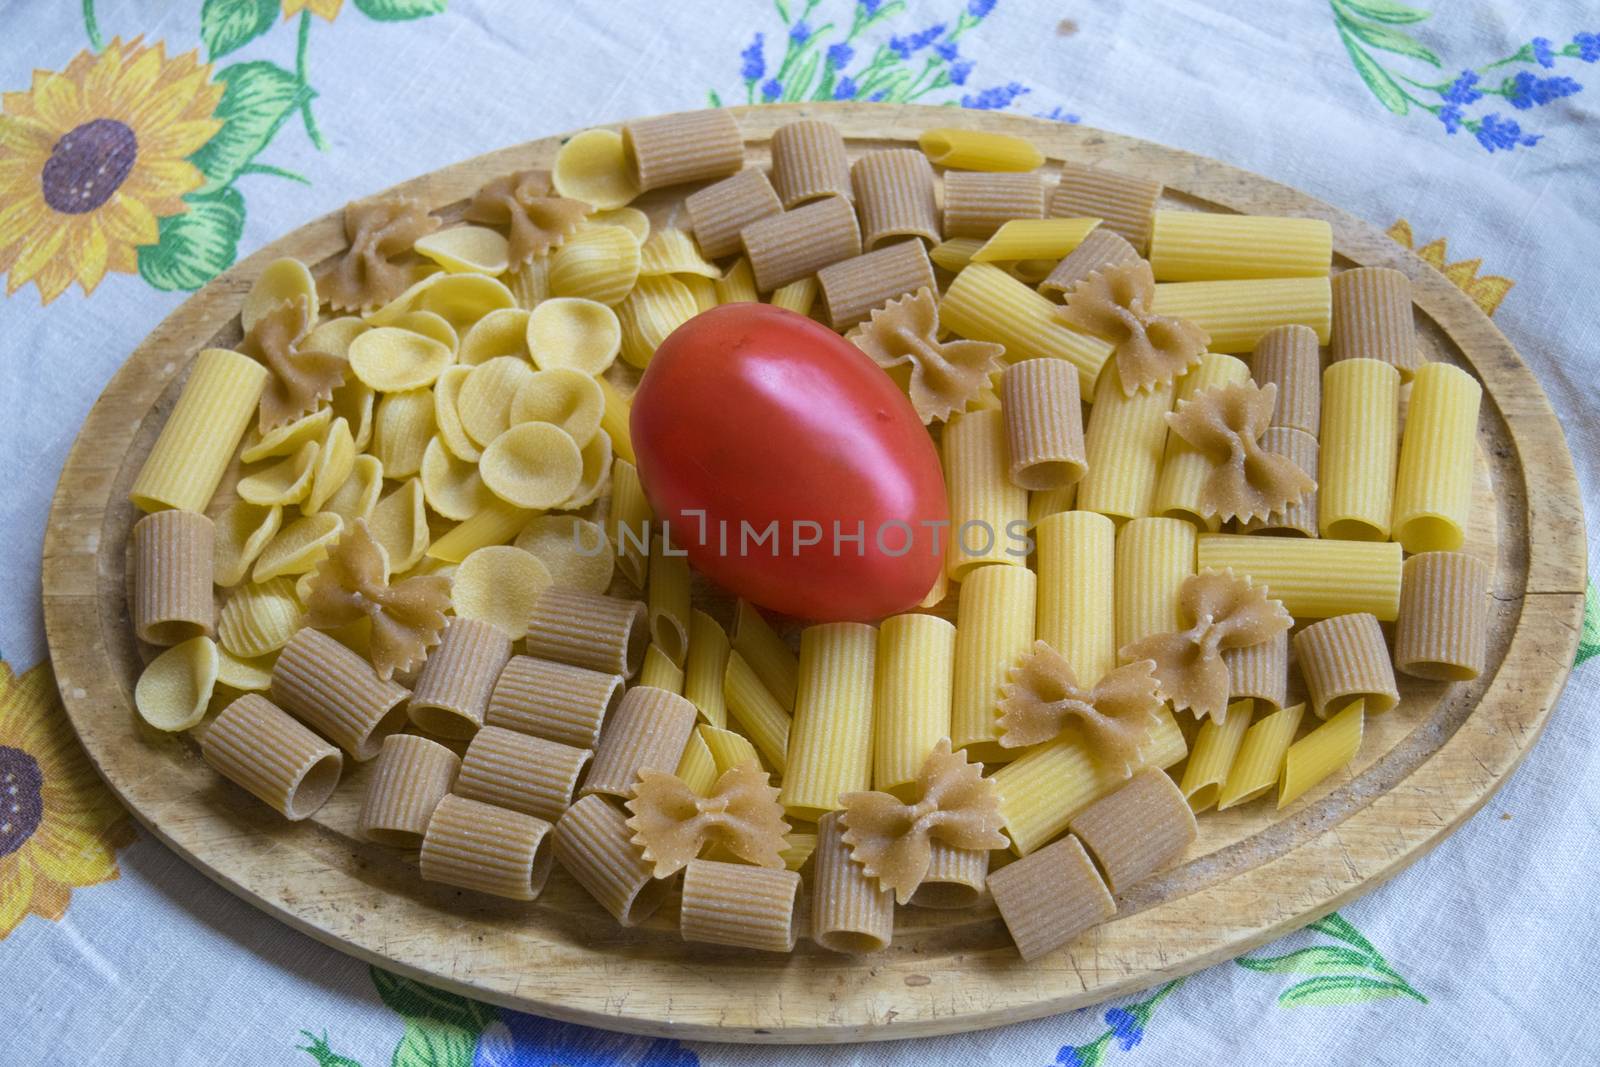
(753, 414)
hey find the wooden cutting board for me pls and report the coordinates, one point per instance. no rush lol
(1254, 874)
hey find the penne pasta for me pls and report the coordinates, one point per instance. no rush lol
(954, 253)
(1143, 827)
(337, 693)
(690, 146)
(984, 303)
(765, 652)
(173, 554)
(809, 162)
(1184, 468)
(979, 150)
(798, 296)
(1154, 556)
(705, 667)
(1237, 314)
(739, 905)
(631, 520)
(849, 912)
(994, 627)
(1195, 246)
(451, 695)
(976, 204)
(520, 772)
(1433, 484)
(1372, 319)
(600, 633)
(1259, 763)
(555, 701)
(988, 512)
(894, 190)
(409, 778)
(1026, 239)
(853, 288)
(259, 748)
(647, 732)
(697, 767)
(728, 749)
(1344, 657)
(1077, 592)
(1044, 424)
(1321, 752)
(669, 600)
(1125, 204)
(913, 677)
(198, 439)
(1050, 897)
(1315, 579)
(1357, 452)
(614, 419)
(756, 711)
(595, 845)
(830, 745)
(1287, 356)
(1443, 628)
(659, 672)
(796, 244)
(480, 847)
(719, 212)
(496, 524)
(1216, 745)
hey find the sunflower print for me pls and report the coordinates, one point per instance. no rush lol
(328, 9)
(60, 827)
(92, 157)
(1486, 290)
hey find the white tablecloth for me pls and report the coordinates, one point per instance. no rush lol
(1474, 125)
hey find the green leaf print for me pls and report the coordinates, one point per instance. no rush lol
(1335, 925)
(1343, 975)
(1384, 87)
(399, 10)
(413, 1000)
(1385, 11)
(1388, 40)
(196, 246)
(259, 97)
(1324, 959)
(226, 25)
(319, 1049)
(1344, 989)
(430, 1043)
(1589, 639)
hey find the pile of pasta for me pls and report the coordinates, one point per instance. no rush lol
(436, 553)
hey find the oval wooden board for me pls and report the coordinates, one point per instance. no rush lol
(1254, 874)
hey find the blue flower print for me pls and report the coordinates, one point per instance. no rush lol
(755, 64)
(995, 98)
(1588, 46)
(1543, 54)
(980, 8)
(518, 1040)
(1505, 134)
(1125, 1027)
(771, 90)
(1528, 91)
(845, 90)
(960, 72)
(840, 55)
(800, 33)
(1462, 90)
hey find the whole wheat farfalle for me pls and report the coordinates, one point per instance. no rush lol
(377, 231)
(1225, 424)
(302, 380)
(525, 202)
(673, 824)
(1041, 697)
(944, 375)
(1114, 303)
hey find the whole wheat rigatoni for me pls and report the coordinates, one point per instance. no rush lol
(1372, 319)
(409, 778)
(718, 212)
(739, 905)
(647, 732)
(852, 288)
(488, 849)
(955, 877)
(1044, 424)
(520, 772)
(796, 244)
(337, 693)
(599, 633)
(1049, 897)
(1102, 248)
(1300, 518)
(1287, 356)
(1124, 204)
(1443, 628)
(172, 556)
(452, 692)
(809, 162)
(1260, 671)
(895, 194)
(849, 912)
(1140, 829)
(594, 844)
(255, 745)
(556, 701)
(690, 146)
(977, 203)
(1345, 658)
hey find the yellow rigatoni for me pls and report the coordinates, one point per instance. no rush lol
(1197, 246)
(1356, 460)
(1260, 760)
(705, 667)
(756, 711)
(1042, 791)
(1318, 754)
(830, 751)
(1433, 487)
(669, 600)
(1215, 747)
(1077, 591)
(994, 628)
(986, 507)
(1124, 441)
(1184, 469)
(1237, 313)
(1315, 579)
(916, 655)
(186, 464)
(984, 303)
(1154, 556)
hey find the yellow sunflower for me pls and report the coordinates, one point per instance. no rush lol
(60, 827)
(1486, 291)
(92, 157)
(328, 9)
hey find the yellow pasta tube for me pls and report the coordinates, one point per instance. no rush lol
(1287, 356)
(809, 162)
(954, 253)
(798, 296)
(1314, 579)
(1077, 591)
(555, 701)
(1030, 239)
(849, 912)
(976, 204)
(914, 674)
(697, 767)
(648, 732)
(689, 146)
(194, 447)
(336, 692)
(172, 571)
(1259, 763)
(705, 667)
(1443, 629)
(796, 244)
(994, 627)
(1142, 827)
(521, 773)
(631, 520)
(1215, 747)
(488, 849)
(659, 672)
(409, 778)
(851, 289)
(830, 749)
(718, 212)
(728, 749)
(595, 845)
(1196, 246)
(1124, 442)
(1043, 790)
(599, 633)
(1154, 556)
(1433, 486)
(614, 419)
(979, 150)
(1372, 319)
(1343, 657)
(1042, 505)
(669, 600)
(1319, 753)
(984, 303)
(739, 905)
(1238, 313)
(1184, 469)
(496, 524)
(259, 748)
(798, 850)
(988, 513)
(452, 692)
(756, 711)
(1126, 204)
(765, 652)
(1356, 457)
(1050, 897)
(894, 190)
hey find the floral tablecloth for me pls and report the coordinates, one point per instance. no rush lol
(208, 127)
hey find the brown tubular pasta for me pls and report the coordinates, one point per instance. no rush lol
(977, 203)
(1125, 205)
(519, 772)
(1301, 448)
(409, 778)
(337, 693)
(1049, 897)
(849, 913)
(594, 844)
(852, 288)
(1287, 356)
(1101, 249)
(809, 162)
(1044, 424)
(599, 633)
(719, 212)
(259, 748)
(1140, 829)
(452, 692)
(488, 849)
(377, 231)
(796, 244)
(555, 701)
(1443, 628)
(647, 732)
(690, 146)
(1345, 658)
(172, 557)
(1372, 319)
(955, 878)
(894, 192)
(1260, 672)
(739, 905)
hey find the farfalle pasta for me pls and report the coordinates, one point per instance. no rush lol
(942, 376)
(1117, 305)
(1225, 424)
(741, 816)
(1116, 716)
(303, 378)
(537, 220)
(378, 231)
(1222, 612)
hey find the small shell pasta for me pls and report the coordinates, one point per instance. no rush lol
(335, 462)
(485, 401)
(298, 547)
(390, 359)
(285, 482)
(499, 585)
(596, 456)
(174, 689)
(672, 251)
(593, 167)
(502, 332)
(574, 334)
(359, 494)
(280, 280)
(599, 263)
(656, 307)
(259, 618)
(568, 399)
(241, 532)
(401, 431)
(289, 438)
(450, 486)
(447, 415)
(466, 250)
(574, 551)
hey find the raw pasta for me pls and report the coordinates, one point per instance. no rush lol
(955, 878)
(976, 204)
(1102, 248)
(771, 660)
(594, 844)
(257, 747)
(1287, 356)
(1125, 204)
(1034, 239)
(659, 672)
(669, 599)
(809, 162)
(1433, 485)
(852, 288)
(573, 549)
(1372, 319)
(718, 213)
(451, 695)
(705, 667)
(1321, 752)
(830, 745)
(1443, 628)
(1044, 424)
(593, 167)
(849, 912)
(1193, 246)
(656, 307)
(1345, 657)
(409, 778)
(599, 263)
(1184, 468)
(756, 711)
(894, 190)
(532, 465)
(979, 150)
(573, 333)
(648, 731)
(1140, 829)
(1237, 314)
(1154, 558)
(199, 437)
(466, 250)
(500, 585)
(172, 574)
(913, 677)
(1260, 671)
(994, 627)
(796, 244)
(984, 303)
(555, 701)
(987, 510)
(1314, 579)
(175, 687)
(1077, 591)
(1123, 443)
(335, 691)
(1050, 897)
(259, 618)
(402, 427)
(1356, 458)
(520, 772)
(1216, 744)
(1301, 450)
(488, 849)
(738, 905)
(1259, 763)
(690, 146)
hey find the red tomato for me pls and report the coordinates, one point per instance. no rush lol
(753, 419)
